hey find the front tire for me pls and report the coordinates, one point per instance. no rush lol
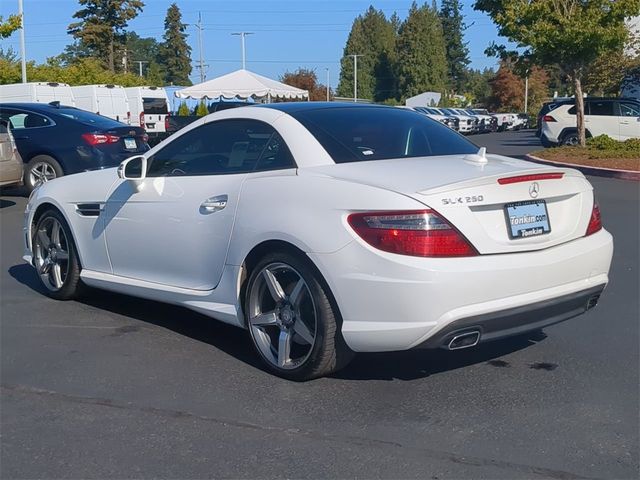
(291, 321)
(55, 256)
(41, 168)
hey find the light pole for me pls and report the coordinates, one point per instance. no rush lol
(526, 92)
(355, 77)
(242, 35)
(327, 69)
(23, 56)
(140, 62)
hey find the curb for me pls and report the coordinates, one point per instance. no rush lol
(598, 171)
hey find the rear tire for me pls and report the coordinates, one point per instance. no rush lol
(40, 169)
(293, 324)
(55, 256)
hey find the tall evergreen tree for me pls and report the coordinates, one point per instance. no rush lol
(101, 26)
(373, 36)
(457, 51)
(421, 52)
(175, 52)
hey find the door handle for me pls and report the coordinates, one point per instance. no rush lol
(214, 204)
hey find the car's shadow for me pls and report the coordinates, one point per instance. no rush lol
(13, 192)
(407, 365)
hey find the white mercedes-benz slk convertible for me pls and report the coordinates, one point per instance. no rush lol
(326, 229)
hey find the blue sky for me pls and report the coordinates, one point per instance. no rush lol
(287, 33)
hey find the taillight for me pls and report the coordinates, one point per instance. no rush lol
(129, 118)
(142, 119)
(145, 137)
(595, 222)
(420, 233)
(99, 138)
(548, 118)
(166, 123)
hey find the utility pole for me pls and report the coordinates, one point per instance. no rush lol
(140, 62)
(201, 64)
(327, 69)
(242, 35)
(23, 55)
(355, 77)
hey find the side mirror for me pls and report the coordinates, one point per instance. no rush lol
(134, 168)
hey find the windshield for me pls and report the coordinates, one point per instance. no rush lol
(88, 118)
(352, 134)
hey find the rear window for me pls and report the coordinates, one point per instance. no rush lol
(88, 118)
(155, 106)
(362, 134)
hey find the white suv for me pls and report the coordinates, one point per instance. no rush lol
(619, 118)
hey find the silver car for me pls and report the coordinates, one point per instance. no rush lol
(10, 160)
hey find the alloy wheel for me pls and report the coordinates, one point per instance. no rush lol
(41, 172)
(282, 316)
(51, 248)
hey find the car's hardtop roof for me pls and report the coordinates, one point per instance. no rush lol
(590, 99)
(294, 107)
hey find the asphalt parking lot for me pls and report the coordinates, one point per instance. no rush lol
(118, 387)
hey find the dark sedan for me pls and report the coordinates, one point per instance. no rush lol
(56, 140)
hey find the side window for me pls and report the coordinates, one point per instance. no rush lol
(14, 119)
(276, 155)
(602, 109)
(629, 109)
(220, 147)
(572, 110)
(26, 120)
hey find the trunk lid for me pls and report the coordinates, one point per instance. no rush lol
(467, 193)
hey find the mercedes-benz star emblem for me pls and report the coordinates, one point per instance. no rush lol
(534, 189)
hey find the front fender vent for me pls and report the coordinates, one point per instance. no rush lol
(88, 209)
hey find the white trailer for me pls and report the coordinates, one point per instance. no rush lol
(106, 100)
(39, 92)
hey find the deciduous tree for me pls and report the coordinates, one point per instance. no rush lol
(569, 33)
(307, 80)
(10, 25)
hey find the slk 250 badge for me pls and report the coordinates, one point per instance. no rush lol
(457, 200)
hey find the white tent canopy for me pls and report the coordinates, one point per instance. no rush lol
(241, 84)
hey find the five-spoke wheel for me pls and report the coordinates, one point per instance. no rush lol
(54, 256)
(291, 320)
(282, 316)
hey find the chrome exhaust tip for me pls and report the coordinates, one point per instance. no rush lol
(465, 340)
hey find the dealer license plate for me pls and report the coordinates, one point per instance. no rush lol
(527, 219)
(130, 143)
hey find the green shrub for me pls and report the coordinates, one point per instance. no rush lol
(603, 142)
(202, 110)
(183, 109)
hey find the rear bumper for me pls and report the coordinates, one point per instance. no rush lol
(517, 320)
(393, 302)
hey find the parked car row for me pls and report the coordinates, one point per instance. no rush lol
(618, 118)
(146, 107)
(477, 120)
(53, 140)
